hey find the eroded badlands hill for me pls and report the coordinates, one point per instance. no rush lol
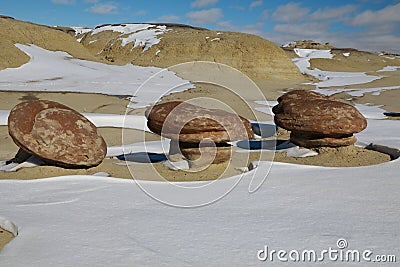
(166, 45)
(13, 31)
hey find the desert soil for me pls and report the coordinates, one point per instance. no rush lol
(5, 237)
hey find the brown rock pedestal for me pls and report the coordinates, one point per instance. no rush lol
(199, 134)
(56, 134)
(316, 120)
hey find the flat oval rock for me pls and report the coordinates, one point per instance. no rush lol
(191, 123)
(310, 113)
(56, 133)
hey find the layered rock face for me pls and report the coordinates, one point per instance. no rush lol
(316, 120)
(199, 134)
(56, 134)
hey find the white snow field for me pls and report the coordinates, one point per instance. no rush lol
(59, 72)
(103, 221)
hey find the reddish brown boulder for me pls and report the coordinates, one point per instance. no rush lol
(188, 126)
(190, 123)
(318, 115)
(319, 119)
(56, 133)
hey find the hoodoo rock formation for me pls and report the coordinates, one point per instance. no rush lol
(200, 133)
(316, 120)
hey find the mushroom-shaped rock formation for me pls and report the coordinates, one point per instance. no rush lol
(200, 133)
(316, 120)
(56, 133)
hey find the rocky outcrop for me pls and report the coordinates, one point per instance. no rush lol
(316, 120)
(308, 44)
(199, 134)
(56, 134)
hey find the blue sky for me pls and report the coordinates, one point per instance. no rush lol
(364, 24)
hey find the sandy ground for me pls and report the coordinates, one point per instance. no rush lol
(88, 103)
(5, 237)
(232, 90)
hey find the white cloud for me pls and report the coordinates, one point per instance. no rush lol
(311, 30)
(141, 12)
(291, 12)
(91, 1)
(332, 12)
(63, 2)
(205, 16)
(389, 14)
(249, 28)
(255, 4)
(168, 18)
(265, 14)
(203, 3)
(238, 7)
(107, 8)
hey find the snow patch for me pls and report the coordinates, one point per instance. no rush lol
(371, 112)
(389, 68)
(59, 72)
(8, 226)
(328, 78)
(144, 35)
(357, 92)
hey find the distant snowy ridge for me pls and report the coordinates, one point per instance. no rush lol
(144, 35)
(81, 30)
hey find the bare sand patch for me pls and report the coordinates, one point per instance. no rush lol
(82, 102)
(348, 156)
(5, 237)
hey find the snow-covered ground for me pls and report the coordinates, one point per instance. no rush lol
(96, 221)
(59, 72)
(328, 78)
(100, 221)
